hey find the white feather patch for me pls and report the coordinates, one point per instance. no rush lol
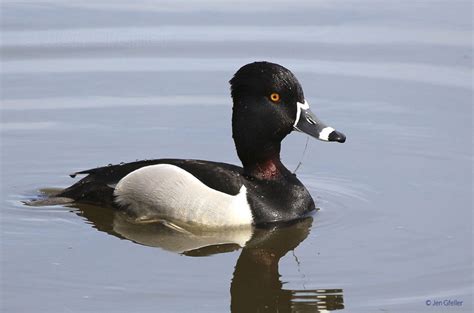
(325, 132)
(167, 191)
(300, 106)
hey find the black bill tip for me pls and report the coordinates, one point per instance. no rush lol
(337, 136)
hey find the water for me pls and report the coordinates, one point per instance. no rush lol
(84, 85)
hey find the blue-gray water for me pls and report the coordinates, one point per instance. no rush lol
(84, 84)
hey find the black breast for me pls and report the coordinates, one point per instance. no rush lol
(278, 200)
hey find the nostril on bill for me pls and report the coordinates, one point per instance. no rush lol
(310, 120)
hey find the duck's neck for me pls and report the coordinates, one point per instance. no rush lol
(267, 169)
(258, 142)
(262, 161)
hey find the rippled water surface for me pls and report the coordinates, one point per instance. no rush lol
(87, 83)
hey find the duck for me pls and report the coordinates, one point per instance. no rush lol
(268, 104)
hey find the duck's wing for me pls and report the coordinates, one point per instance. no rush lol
(99, 184)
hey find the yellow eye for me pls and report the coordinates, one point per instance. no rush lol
(275, 97)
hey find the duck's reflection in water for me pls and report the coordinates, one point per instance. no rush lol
(256, 285)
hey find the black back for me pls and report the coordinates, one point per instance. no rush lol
(98, 186)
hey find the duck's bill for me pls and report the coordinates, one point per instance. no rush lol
(306, 122)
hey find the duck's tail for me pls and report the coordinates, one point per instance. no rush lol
(84, 191)
(48, 201)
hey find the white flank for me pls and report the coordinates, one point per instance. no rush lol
(300, 106)
(167, 191)
(324, 134)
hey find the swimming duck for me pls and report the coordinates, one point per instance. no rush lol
(268, 104)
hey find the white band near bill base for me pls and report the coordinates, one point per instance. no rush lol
(300, 106)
